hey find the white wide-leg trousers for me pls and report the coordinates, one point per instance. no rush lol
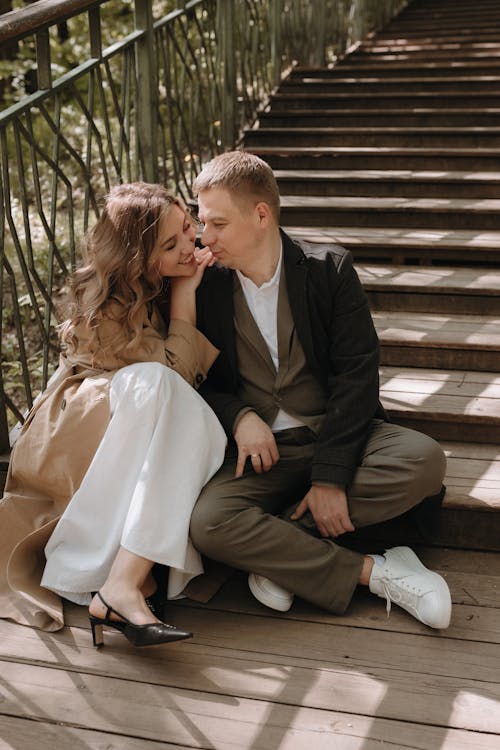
(162, 445)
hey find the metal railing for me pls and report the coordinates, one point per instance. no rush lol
(155, 104)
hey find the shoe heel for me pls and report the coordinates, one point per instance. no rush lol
(97, 633)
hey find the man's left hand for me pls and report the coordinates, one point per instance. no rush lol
(329, 509)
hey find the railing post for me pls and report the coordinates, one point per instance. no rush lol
(147, 92)
(227, 63)
(275, 22)
(44, 75)
(318, 53)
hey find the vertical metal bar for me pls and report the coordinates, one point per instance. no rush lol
(44, 74)
(95, 31)
(4, 427)
(227, 63)
(146, 94)
(318, 54)
(276, 51)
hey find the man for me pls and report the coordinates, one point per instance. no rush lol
(311, 456)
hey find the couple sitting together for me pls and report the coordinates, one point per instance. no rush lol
(219, 401)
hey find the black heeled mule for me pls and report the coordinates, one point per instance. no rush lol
(151, 634)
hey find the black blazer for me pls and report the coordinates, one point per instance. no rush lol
(335, 328)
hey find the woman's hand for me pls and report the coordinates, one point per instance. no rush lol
(183, 300)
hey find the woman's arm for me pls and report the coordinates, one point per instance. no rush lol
(183, 299)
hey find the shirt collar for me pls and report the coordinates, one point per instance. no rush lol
(249, 285)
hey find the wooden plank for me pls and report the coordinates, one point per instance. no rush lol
(475, 611)
(406, 237)
(456, 378)
(398, 399)
(387, 696)
(428, 330)
(474, 594)
(429, 205)
(27, 734)
(486, 452)
(473, 469)
(311, 683)
(472, 476)
(455, 393)
(467, 496)
(425, 652)
(431, 279)
(395, 175)
(204, 719)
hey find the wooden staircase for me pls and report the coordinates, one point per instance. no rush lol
(395, 154)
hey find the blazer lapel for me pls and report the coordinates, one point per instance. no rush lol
(296, 280)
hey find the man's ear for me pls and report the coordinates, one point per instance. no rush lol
(263, 213)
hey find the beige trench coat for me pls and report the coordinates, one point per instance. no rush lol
(56, 446)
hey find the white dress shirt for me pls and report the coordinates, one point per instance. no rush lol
(262, 302)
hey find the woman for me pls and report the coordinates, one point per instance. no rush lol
(111, 458)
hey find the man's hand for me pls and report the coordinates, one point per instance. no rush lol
(329, 508)
(255, 439)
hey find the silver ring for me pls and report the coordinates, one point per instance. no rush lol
(254, 455)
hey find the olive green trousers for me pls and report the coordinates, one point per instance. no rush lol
(246, 524)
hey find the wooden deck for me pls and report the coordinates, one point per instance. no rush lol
(420, 187)
(252, 679)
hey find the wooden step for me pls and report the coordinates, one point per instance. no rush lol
(460, 14)
(355, 99)
(401, 69)
(376, 85)
(349, 157)
(423, 137)
(423, 246)
(443, 29)
(432, 289)
(428, 36)
(411, 26)
(446, 404)
(432, 340)
(429, 213)
(473, 476)
(390, 182)
(433, 8)
(429, 49)
(470, 516)
(362, 57)
(424, 40)
(321, 117)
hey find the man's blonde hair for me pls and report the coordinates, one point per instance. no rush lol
(245, 176)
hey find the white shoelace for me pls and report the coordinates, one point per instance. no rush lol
(400, 594)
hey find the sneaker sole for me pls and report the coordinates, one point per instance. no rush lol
(264, 597)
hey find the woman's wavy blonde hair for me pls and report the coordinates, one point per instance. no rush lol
(116, 253)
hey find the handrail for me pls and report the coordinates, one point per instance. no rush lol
(17, 24)
(154, 105)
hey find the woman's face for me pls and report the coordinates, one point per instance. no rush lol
(173, 254)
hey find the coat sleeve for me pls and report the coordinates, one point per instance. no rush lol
(183, 348)
(189, 352)
(353, 382)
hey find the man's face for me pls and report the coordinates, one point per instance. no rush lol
(232, 231)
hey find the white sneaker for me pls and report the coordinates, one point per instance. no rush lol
(404, 580)
(270, 593)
